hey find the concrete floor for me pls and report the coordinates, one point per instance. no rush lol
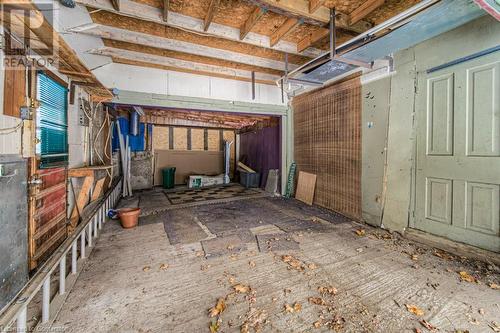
(277, 266)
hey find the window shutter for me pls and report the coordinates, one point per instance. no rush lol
(52, 122)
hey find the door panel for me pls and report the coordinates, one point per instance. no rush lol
(483, 123)
(458, 153)
(440, 116)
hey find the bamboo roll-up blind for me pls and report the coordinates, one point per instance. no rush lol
(327, 137)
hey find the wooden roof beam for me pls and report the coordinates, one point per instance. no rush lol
(254, 17)
(315, 4)
(210, 14)
(290, 24)
(364, 10)
(300, 10)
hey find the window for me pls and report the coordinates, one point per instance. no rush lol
(51, 122)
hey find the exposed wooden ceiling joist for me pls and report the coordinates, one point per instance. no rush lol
(256, 15)
(177, 64)
(300, 9)
(315, 4)
(124, 35)
(310, 39)
(290, 24)
(148, 13)
(362, 11)
(210, 14)
(189, 57)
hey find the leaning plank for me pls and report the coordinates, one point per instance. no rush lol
(98, 189)
(305, 187)
(245, 167)
(82, 200)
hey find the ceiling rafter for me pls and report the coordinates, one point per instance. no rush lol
(311, 39)
(148, 13)
(210, 14)
(115, 4)
(290, 24)
(315, 4)
(364, 10)
(140, 38)
(188, 57)
(254, 17)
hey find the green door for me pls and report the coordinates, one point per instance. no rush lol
(458, 152)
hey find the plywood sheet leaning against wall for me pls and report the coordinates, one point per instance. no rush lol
(327, 137)
(306, 184)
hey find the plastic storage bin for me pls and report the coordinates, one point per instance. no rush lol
(249, 179)
(168, 177)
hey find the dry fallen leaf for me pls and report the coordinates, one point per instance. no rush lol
(204, 267)
(327, 290)
(288, 308)
(464, 276)
(417, 330)
(219, 307)
(251, 263)
(360, 232)
(427, 325)
(312, 266)
(494, 286)
(164, 267)
(414, 309)
(244, 328)
(414, 257)
(317, 324)
(316, 300)
(230, 247)
(239, 288)
(199, 253)
(214, 326)
(146, 268)
(297, 307)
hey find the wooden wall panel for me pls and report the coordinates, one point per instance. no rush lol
(160, 137)
(213, 140)
(197, 139)
(180, 138)
(14, 91)
(327, 137)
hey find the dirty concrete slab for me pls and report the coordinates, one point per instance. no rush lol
(219, 246)
(340, 280)
(276, 242)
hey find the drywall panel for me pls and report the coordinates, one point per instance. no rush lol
(188, 163)
(157, 81)
(374, 118)
(185, 84)
(125, 77)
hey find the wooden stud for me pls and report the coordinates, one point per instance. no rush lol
(210, 14)
(284, 29)
(254, 17)
(315, 4)
(362, 11)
